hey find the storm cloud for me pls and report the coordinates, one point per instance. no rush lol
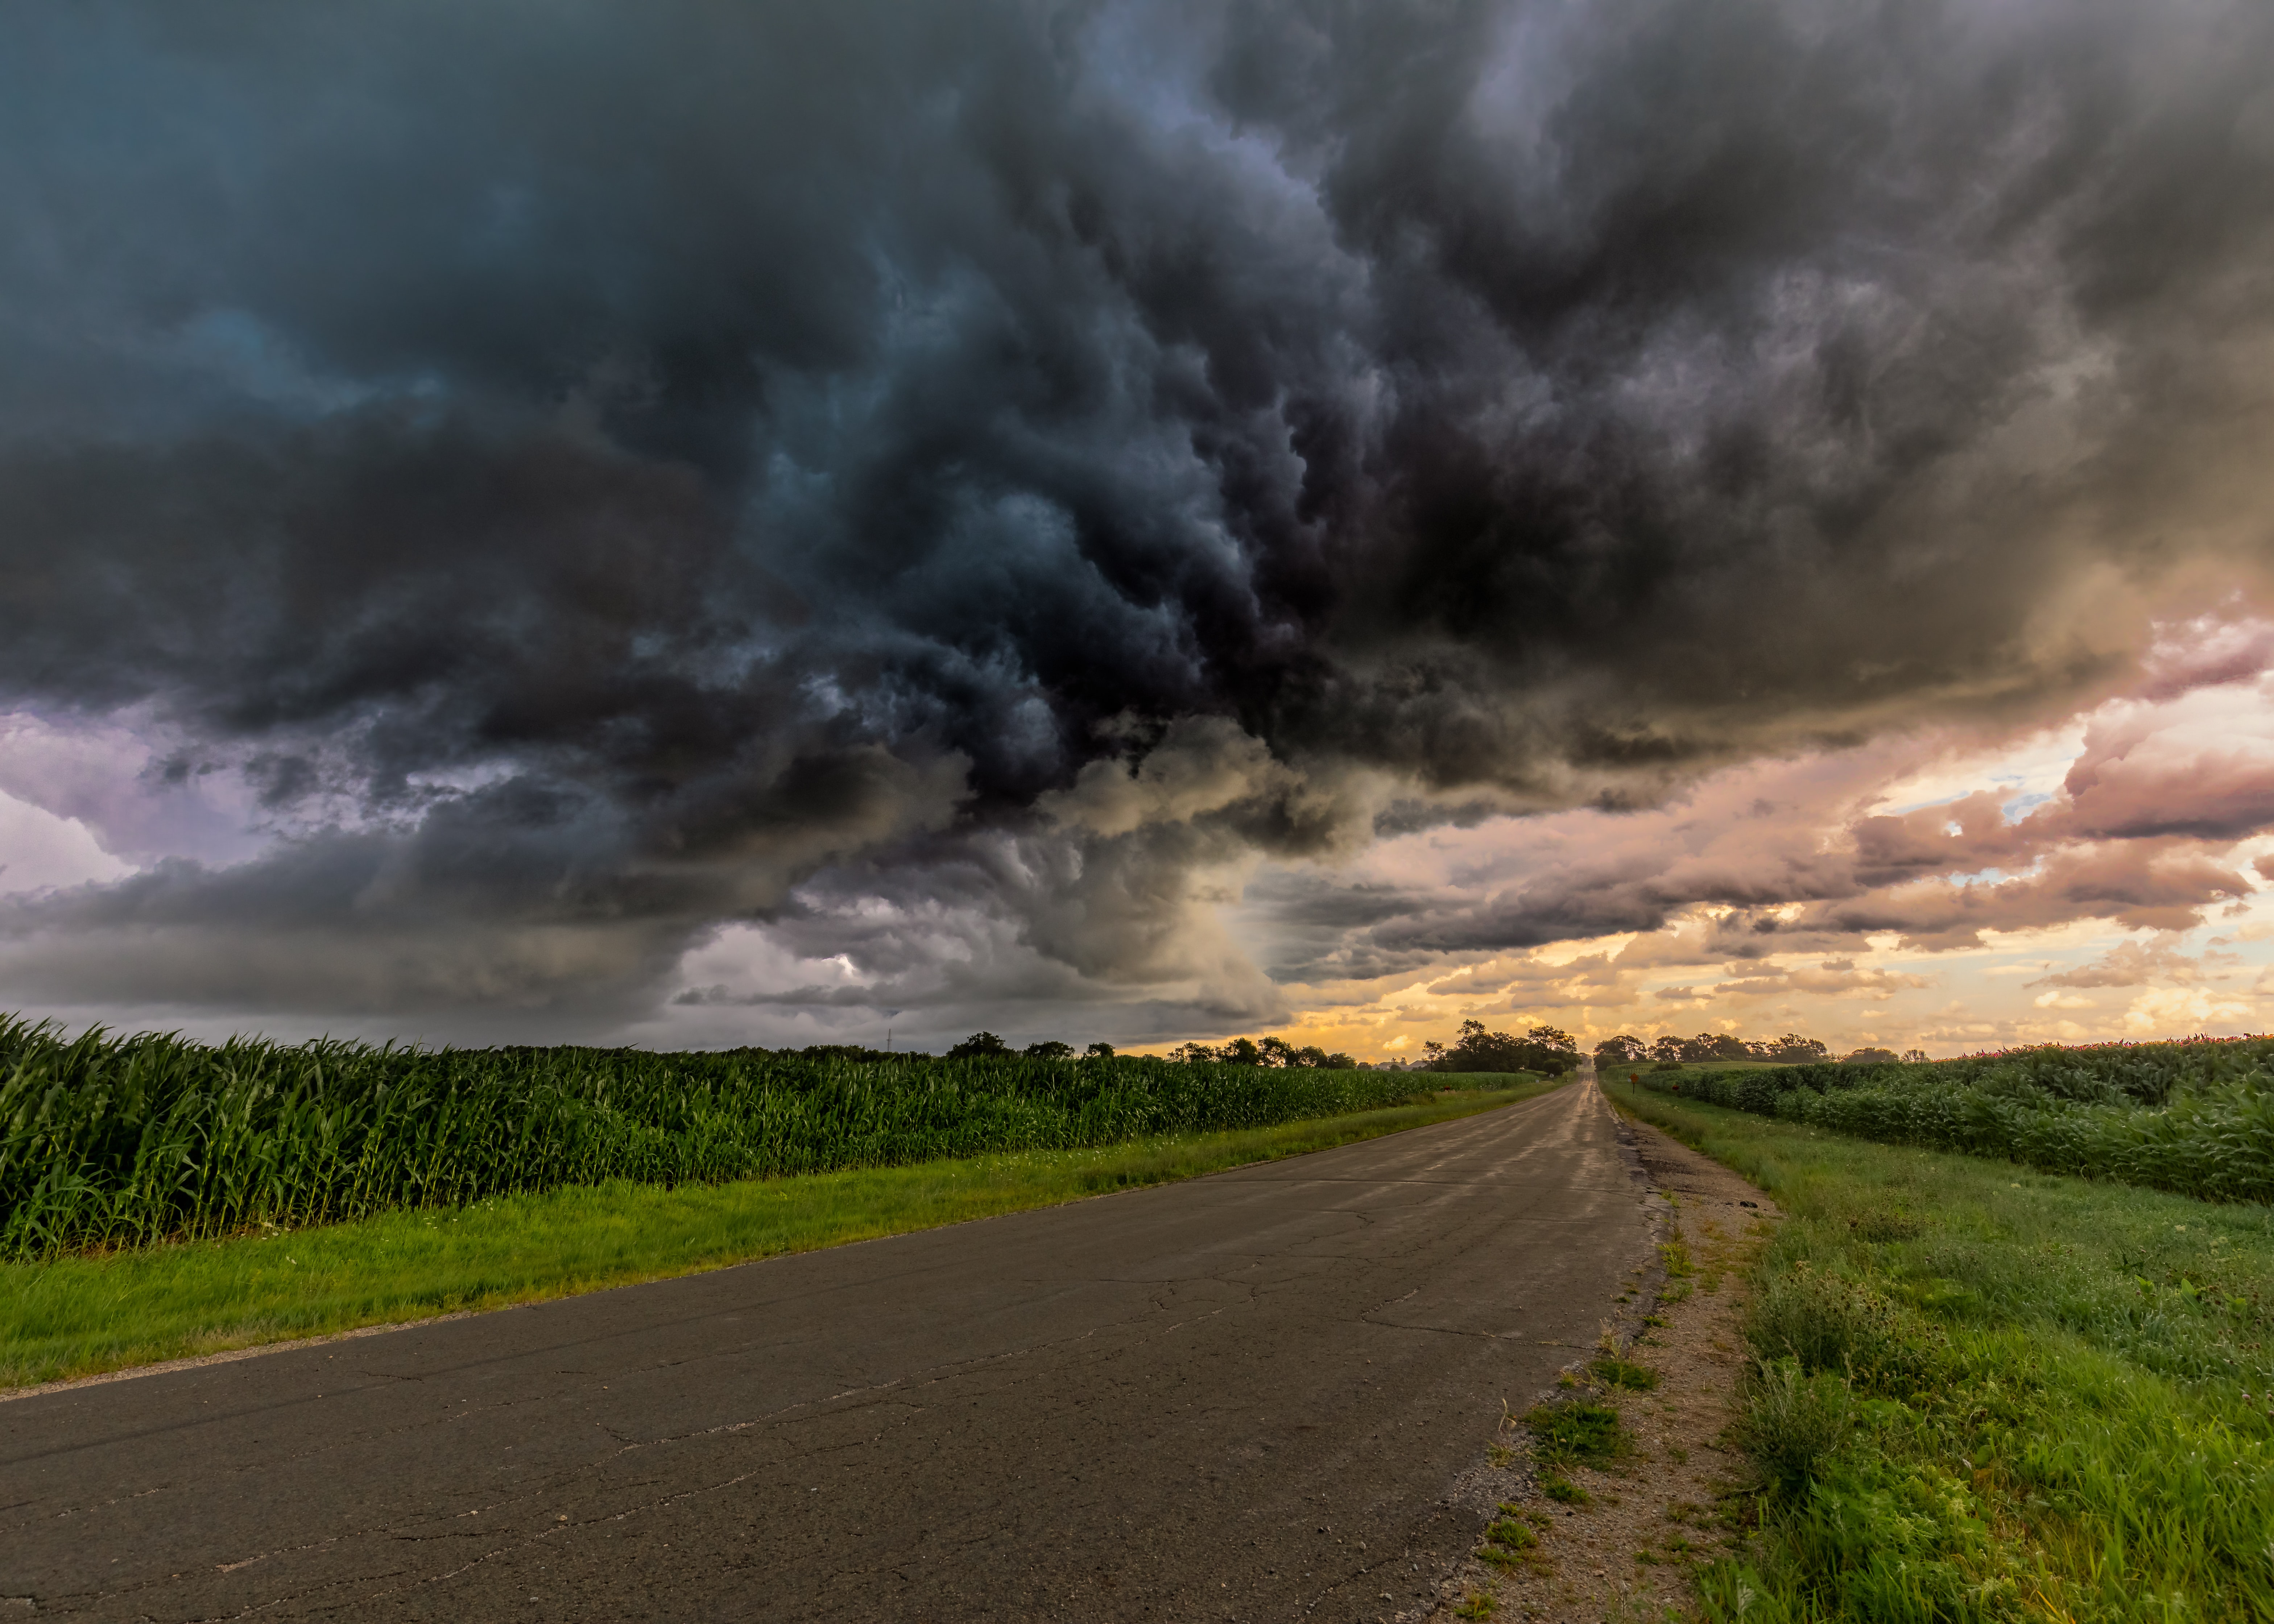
(959, 487)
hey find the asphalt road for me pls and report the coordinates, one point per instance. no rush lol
(1245, 1396)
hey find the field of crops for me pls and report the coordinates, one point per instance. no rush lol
(2196, 1117)
(126, 1141)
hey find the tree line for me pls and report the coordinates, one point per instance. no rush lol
(1263, 1052)
(1791, 1050)
(1543, 1049)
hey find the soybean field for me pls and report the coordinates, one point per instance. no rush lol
(111, 1141)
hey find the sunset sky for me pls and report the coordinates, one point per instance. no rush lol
(699, 524)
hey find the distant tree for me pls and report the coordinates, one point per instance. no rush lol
(1050, 1050)
(977, 1044)
(1621, 1050)
(1240, 1051)
(1433, 1054)
(1869, 1056)
(1916, 1056)
(1098, 1052)
(1335, 1061)
(1547, 1049)
(1276, 1052)
(1543, 1048)
(1476, 1049)
(1193, 1053)
(1795, 1048)
(1667, 1050)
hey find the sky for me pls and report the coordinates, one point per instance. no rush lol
(699, 524)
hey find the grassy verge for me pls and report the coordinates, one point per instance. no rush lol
(1986, 1393)
(77, 1316)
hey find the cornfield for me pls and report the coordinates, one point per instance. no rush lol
(126, 1141)
(2196, 1117)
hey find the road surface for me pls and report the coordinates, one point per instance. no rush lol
(1243, 1396)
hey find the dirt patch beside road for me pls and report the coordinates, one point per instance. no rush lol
(1616, 1540)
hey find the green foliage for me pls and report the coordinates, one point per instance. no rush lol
(1985, 1395)
(1615, 1372)
(1543, 1049)
(1581, 1429)
(1621, 1050)
(1511, 1535)
(126, 1141)
(1823, 1321)
(1257, 1052)
(1711, 1047)
(2196, 1117)
(1564, 1492)
(1794, 1421)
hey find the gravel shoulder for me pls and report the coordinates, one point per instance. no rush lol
(1623, 1546)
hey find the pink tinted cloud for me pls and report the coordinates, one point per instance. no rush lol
(1792, 854)
(2202, 767)
(2206, 652)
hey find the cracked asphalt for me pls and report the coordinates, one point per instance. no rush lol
(1249, 1395)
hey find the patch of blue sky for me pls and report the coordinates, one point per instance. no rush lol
(2026, 773)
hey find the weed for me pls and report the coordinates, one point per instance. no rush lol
(1826, 1322)
(1886, 1225)
(1564, 1492)
(1580, 1430)
(1477, 1606)
(1510, 1534)
(1615, 1372)
(1794, 1421)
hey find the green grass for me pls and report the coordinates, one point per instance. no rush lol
(1982, 1392)
(1564, 1492)
(126, 1141)
(1576, 1430)
(1617, 1373)
(79, 1315)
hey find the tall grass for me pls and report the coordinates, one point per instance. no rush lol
(2195, 1118)
(108, 1141)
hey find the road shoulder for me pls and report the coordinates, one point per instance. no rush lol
(1618, 1537)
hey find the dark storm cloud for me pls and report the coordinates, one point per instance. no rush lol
(643, 456)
